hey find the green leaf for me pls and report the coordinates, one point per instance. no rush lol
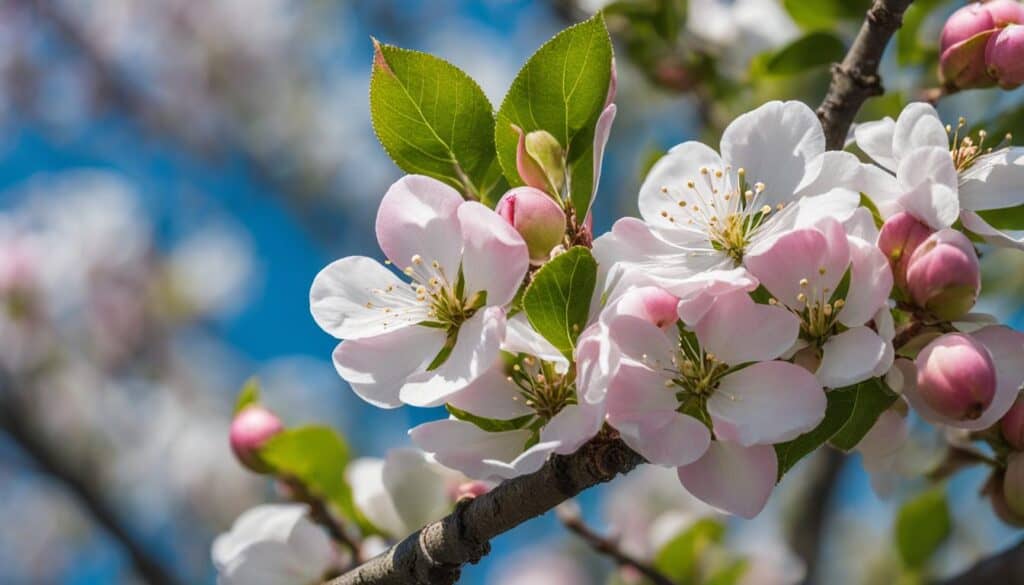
(868, 204)
(922, 525)
(849, 415)
(491, 425)
(249, 394)
(909, 49)
(1007, 218)
(730, 574)
(434, 120)
(679, 559)
(814, 49)
(316, 456)
(557, 302)
(561, 89)
(824, 14)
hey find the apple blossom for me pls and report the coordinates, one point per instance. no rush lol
(900, 235)
(944, 275)
(961, 398)
(834, 285)
(537, 217)
(444, 329)
(274, 544)
(251, 428)
(941, 176)
(1003, 54)
(404, 491)
(1012, 425)
(672, 388)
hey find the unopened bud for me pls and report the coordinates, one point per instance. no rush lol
(471, 489)
(653, 304)
(1012, 425)
(962, 57)
(537, 217)
(944, 275)
(1013, 483)
(964, 24)
(540, 161)
(956, 377)
(1005, 12)
(251, 428)
(899, 237)
(1004, 56)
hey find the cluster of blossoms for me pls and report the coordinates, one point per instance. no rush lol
(756, 282)
(982, 45)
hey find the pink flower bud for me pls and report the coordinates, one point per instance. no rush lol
(1005, 12)
(1013, 483)
(653, 304)
(965, 23)
(900, 236)
(537, 217)
(962, 63)
(539, 161)
(1004, 56)
(250, 430)
(956, 377)
(944, 275)
(1012, 425)
(996, 492)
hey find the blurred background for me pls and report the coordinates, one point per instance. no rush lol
(173, 173)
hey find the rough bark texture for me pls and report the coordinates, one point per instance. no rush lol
(1005, 568)
(856, 78)
(435, 554)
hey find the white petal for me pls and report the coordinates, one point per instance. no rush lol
(358, 297)
(377, 367)
(929, 183)
(417, 216)
(666, 183)
(733, 478)
(520, 337)
(477, 453)
(738, 330)
(1006, 346)
(918, 125)
(843, 170)
(850, 357)
(642, 341)
(870, 283)
(476, 349)
(417, 486)
(839, 204)
(875, 139)
(776, 144)
(601, 133)
(974, 222)
(491, 395)
(494, 256)
(366, 476)
(768, 402)
(573, 426)
(994, 181)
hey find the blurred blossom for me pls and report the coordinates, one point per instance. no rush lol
(740, 29)
(211, 270)
(540, 566)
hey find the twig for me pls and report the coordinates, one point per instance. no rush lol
(435, 554)
(14, 424)
(856, 78)
(321, 514)
(608, 547)
(1004, 568)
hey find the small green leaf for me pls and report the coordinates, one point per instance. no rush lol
(843, 287)
(316, 456)
(868, 204)
(679, 559)
(1007, 218)
(922, 525)
(557, 302)
(909, 49)
(815, 49)
(491, 425)
(824, 14)
(249, 394)
(446, 350)
(561, 89)
(434, 120)
(849, 415)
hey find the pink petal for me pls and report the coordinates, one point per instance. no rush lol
(572, 426)
(733, 478)
(768, 402)
(851, 357)
(870, 283)
(601, 132)
(643, 341)
(417, 216)
(1007, 348)
(377, 367)
(738, 330)
(491, 395)
(467, 448)
(494, 257)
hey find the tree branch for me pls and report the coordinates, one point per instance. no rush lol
(435, 554)
(14, 424)
(856, 78)
(608, 547)
(808, 532)
(1002, 569)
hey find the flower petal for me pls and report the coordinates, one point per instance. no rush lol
(417, 216)
(775, 144)
(994, 181)
(572, 426)
(876, 139)
(476, 349)
(491, 395)
(377, 367)
(520, 337)
(918, 125)
(642, 341)
(1006, 346)
(850, 357)
(494, 257)
(666, 185)
(768, 402)
(974, 222)
(357, 297)
(479, 454)
(738, 330)
(417, 486)
(366, 476)
(870, 283)
(601, 133)
(733, 478)
(929, 183)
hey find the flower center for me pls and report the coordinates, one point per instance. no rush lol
(448, 306)
(819, 307)
(720, 204)
(965, 150)
(544, 390)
